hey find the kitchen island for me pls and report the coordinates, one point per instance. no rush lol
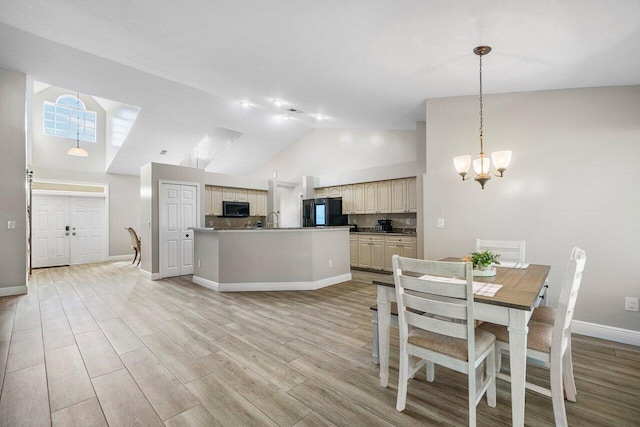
(276, 259)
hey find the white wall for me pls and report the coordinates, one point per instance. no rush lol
(51, 150)
(50, 161)
(13, 202)
(573, 181)
(333, 153)
(323, 152)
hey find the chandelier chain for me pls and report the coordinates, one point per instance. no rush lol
(481, 142)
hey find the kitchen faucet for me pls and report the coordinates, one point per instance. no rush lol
(273, 224)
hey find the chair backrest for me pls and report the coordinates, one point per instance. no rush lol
(567, 300)
(135, 241)
(509, 250)
(446, 298)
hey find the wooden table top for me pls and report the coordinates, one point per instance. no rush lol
(520, 287)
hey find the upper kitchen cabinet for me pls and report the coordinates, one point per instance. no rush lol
(234, 194)
(321, 192)
(347, 199)
(357, 199)
(384, 197)
(370, 197)
(403, 195)
(334, 192)
(412, 195)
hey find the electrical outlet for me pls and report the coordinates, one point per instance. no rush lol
(199, 264)
(331, 266)
(440, 222)
(631, 304)
(11, 224)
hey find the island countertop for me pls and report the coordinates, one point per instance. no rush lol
(225, 230)
(271, 259)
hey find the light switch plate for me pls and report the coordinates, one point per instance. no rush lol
(11, 224)
(631, 304)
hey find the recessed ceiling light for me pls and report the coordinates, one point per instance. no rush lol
(245, 104)
(277, 103)
(320, 117)
(285, 117)
(163, 152)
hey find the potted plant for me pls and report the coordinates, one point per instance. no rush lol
(484, 260)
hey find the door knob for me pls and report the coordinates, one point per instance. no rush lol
(66, 234)
(187, 235)
(74, 233)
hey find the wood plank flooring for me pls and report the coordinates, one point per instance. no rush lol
(99, 344)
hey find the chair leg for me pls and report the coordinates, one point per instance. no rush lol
(375, 346)
(139, 258)
(472, 397)
(557, 395)
(498, 359)
(403, 378)
(567, 374)
(490, 373)
(431, 371)
(134, 257)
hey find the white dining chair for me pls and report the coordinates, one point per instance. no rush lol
(551, 343)
(509, 250)
(445, 334)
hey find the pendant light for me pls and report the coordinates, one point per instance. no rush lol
(482, 165)
(77, 151)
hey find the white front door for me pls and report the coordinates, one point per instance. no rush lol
(50, 239)
(68, 230)
(178, 212)
(87, 229)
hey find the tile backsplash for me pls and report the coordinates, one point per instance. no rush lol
(398, 221)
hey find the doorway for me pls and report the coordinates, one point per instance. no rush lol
(68, 230)
(179, 212)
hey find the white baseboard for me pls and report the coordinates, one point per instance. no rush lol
(611, 333)
(271, 286)
(121, 258)
(13, 290)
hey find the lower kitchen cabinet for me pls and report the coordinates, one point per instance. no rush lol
(398, 245)
(371, 252)
(353, 247)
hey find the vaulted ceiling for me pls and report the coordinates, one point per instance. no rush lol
(362, 64)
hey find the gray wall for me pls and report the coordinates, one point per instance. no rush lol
(573, 181)
(150, 175)
(13, 246)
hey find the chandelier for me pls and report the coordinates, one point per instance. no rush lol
(482, 165)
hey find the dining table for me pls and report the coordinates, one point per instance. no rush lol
(512, 305)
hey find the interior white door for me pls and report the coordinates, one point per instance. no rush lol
(50, 236)
(178, 213)
(87, 219)
(188, 217)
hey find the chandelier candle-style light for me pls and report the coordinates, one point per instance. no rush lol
(482, 164)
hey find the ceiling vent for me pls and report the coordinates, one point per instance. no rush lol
(293, 111)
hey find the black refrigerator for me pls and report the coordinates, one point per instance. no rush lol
(323, 212)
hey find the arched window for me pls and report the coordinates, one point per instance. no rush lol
(69, 118)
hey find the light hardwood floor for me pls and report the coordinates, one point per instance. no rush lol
(99, 344)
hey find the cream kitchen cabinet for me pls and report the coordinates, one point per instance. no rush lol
(230, 194)
(370, 197)
(321, 192)
(412, 195)
(371, 251)
(384, 197)
(357, 199)
(404, 196)
(252, 198)
(399, 199)
(353, 249)
(334, 192)
(347, 199)
(213, 200)
(404, 246)
(261, 209)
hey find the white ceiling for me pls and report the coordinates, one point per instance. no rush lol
(367, 64)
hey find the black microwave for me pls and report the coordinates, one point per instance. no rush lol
(235, 209)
